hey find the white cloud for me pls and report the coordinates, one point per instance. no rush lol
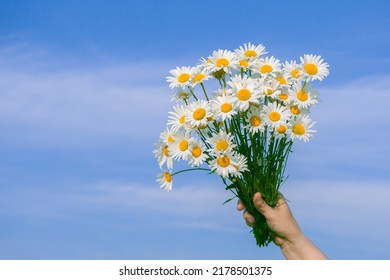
(60, 105)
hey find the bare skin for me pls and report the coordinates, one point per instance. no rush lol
(288, 235)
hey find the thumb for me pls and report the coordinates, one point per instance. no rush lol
(260, 204)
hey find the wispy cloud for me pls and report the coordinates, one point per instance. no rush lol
(52, 104)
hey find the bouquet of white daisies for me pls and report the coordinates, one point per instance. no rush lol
(243, 125)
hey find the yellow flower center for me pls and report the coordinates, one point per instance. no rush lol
(281, 80)
(196, 152)
(311, 69)
(223, 161)
(198, 77)
(255, 120)
(226, 107)
(165, 150)
(168, 177)
(222, 62)
(244, 94)
(199, 114)
(222, 145)
(183, 95)
(298, 129)
(184, 77)
(274, 116)
(282, 129)
(266, 68)
(270, 91)
(295, 73)
(250, 53)
(244, 63)
(183, 145)
(295, 110)
(170, 139)
(283, 96)
(302, 96)
(182, 119)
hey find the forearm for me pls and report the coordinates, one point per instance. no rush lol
(301, 248)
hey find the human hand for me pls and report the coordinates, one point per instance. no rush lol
(287, 233)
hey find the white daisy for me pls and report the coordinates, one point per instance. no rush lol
(222, 60)
(240, 164)
(303, 96)
(245, 90)
(282, 79)
(198, 155)
(177, 118)
(292, 70)
(167, 136)
(250, 51)
(295, 111)
(221, 142)
(224, 107)
(254, 119)
(281, 131)
(165, 181)
(224, 164)
(267, 65)
(163, 155)
(180, 148)
(199, 75)
(181, 94)
(314, 66)
(275, 114)
(301, 128)
(199, 113)
(270, 87)
(181, 77)
(284, 96)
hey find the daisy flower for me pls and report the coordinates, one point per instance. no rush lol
(268, 65)
(200, 74)
(163, 155)
(167, 136)
(274, 114)
(198, 155)
(222, 60)
(224, 164)
(281, 131)
(283, 96)
(301, 128)
(270, 87)
(292, 70)
(240, 164)
(221, 142)
(303, 96)
(314, 66)
(296, 111)
(177, 118)
(281, 78)
(180, 148)
(199, 113)
(254, 119)
(245, 90)
(181, 77)
(165, 181)
(250, 51)
(224, 107)
(181, 94)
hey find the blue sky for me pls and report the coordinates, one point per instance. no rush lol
(83, 98)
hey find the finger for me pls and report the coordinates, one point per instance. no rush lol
(249, 219)
(260, 204)
(240, 205)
